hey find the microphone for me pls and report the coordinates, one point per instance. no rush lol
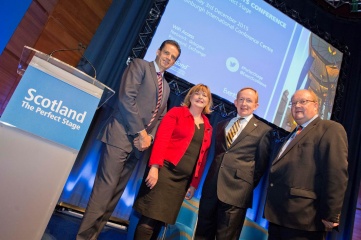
(91, 65)
(80, 48)
(64, 50)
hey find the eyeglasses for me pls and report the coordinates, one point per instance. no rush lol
(301, 102)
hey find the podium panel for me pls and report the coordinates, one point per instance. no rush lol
(41, 132)
(51, 105)
(33, 172)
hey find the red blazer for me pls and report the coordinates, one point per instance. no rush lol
(173, 137)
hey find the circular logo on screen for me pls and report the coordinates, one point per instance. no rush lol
(232, 64)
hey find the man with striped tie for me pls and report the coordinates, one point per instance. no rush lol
(242, 151)
(142, 101)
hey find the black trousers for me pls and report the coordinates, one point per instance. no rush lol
(219, 220)
(277, 232)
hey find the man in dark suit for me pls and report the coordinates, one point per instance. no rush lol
(308, 177)
(128, 133)
(241, 157)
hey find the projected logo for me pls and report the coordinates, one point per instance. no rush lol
(232, 64)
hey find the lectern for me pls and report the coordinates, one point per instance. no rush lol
(41, 132)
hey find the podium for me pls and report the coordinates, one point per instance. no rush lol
(41, 132)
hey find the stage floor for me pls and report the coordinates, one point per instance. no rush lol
(64, 227)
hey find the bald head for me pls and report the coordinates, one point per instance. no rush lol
(304, 106)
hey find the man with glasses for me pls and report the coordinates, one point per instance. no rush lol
(242, 152)
(128, 133)
(308, 177)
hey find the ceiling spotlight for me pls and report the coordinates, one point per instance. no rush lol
(294, 14)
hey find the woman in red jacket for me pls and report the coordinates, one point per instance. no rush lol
(177, 162)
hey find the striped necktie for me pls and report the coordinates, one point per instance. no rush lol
(160, 94)
(233, 131)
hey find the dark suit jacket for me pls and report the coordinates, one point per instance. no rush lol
(308, 181)
(137, 99)
(236, 171)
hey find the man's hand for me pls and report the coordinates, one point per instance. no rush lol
(143, 141)
(152, 177)
(329, 225)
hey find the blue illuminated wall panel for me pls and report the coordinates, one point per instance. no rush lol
(11, 13)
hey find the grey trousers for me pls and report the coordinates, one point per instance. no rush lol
(114, 170)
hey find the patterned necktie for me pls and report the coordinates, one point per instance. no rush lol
(233, 131)
(299, 129)
(160, 94)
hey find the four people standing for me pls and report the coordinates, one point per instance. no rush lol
(308, 177)
(241, 157)
(177, 162)
(142, 101)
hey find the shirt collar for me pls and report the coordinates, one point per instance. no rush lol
(309, 121)
(156, 67)
(247, 118)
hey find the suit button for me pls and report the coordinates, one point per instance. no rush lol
(271, 184)
(221, 165)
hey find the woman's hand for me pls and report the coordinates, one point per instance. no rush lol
(190, 193)
(152, 177)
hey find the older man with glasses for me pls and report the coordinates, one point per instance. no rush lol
(308, 177)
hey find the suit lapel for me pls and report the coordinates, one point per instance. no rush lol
(297, 139)
(154, 77)
(221, 128)
(251, 125)
(165, 85)
(165, 92)
(163, 104)
(277, 158)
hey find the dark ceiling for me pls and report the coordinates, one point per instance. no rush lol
(342, 8)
